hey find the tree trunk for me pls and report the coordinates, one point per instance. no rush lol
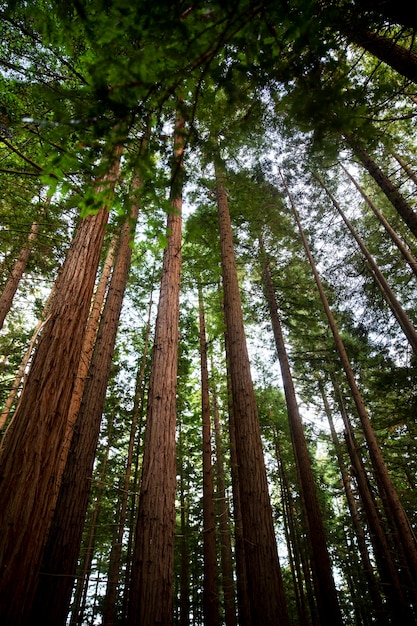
(62, 548)
(396, 308)
(224, 523)
(412, 262)
(210, 590)
(267, 601)
(109, 613)
(384, 183)
(412, 175)
(151, 590)
(384, 482)
(31, 457)
(12, 283)
(327, 601)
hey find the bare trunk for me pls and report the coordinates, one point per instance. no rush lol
(61, 552)
(390, 190)
(412, 262)
(152, 589)
(210, 590)
(396, 308)
(327, 601)
(267, 601)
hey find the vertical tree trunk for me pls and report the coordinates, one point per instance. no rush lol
(386, 487)
(31, 456)
(396, 308)
(62, 548)
(224, 523)
(151, 590)
(267, 600)
(210, 590)
(390, 190)
(412, 262)
(327, 601)
(109, 614)
(12, 283)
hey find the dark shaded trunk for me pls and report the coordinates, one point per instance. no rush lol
(265, 587)
(385, 184)
(326, 595)
(210, 590)
(391, 232)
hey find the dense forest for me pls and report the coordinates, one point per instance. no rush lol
(208, 252)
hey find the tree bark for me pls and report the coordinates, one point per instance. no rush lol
(326, 595)
(151, 590)
(210, 590)
(267, 601)
(31, 456)
(62, 548)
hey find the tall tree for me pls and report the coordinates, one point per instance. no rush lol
(35, 437)
(151, 589)
(265, 586)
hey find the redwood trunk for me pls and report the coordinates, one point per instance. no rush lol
(267, 601)
(210, 590)
(31, 457)
(327, 602)
(61, 552)
(151, 591)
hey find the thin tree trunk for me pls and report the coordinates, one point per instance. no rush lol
(151, 592)
(266, 593)
(224, 522)
(401, 59)
(12, 283)
(327, 601)
(396, 308)
(109, 614)
(412, 175)
(373, 586)
(384, 482)
(384, 183)
(31, 456)
(210, 590)
(62, 548)
(412, 262)
(184, 592)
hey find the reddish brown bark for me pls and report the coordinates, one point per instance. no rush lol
(12, 283)
(31, 457)
(265, 588)
(210, 590)
(61, 552)
(151, 592)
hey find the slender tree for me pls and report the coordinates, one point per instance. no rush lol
(265, 586)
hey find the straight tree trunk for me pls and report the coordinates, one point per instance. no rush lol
(391, 232)
(31, 456)
(412, 175)
(386, 487)
(265, 586)
(61, 552)
(396, 308)
(384, 183)
(326, 595)
(224, 522)
(109, 613)
(210, 590)
(12, 283)
(151, 592)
